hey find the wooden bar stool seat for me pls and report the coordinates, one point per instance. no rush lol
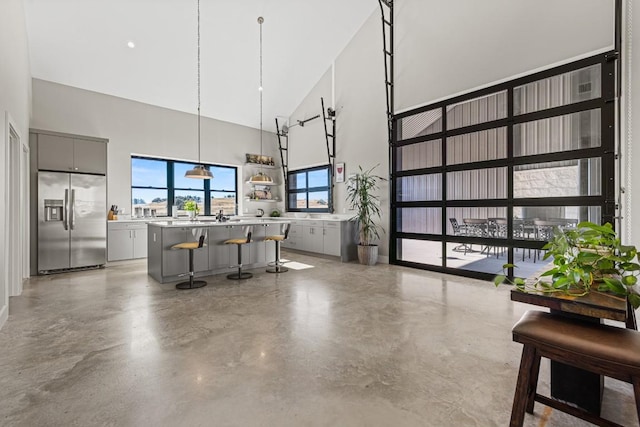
(239, 243)
(601, 349)
(277, 266)
(190, 246)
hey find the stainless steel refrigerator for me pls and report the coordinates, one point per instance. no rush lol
(72, 226)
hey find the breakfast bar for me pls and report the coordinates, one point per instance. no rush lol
(166, 265)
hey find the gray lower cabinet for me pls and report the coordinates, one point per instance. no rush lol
(335, 238)
(294, 239)
(331, 238)
(263, 251)
(312, 238)
(219, 253)
(126, 241)
(140, 243)
(165, 264)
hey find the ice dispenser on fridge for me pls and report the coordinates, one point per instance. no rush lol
(53, 210)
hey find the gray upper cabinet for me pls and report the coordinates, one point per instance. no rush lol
(89, 156)
(55, 153)
(71, 154)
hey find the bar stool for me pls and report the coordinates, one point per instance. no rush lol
(190, 246)
(277, 265)
(601, 349)
(239, 242)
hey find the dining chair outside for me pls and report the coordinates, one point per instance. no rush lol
(460, 230)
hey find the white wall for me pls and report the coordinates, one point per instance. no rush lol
(444, 48)
(15, 99)
(361, 115)
(631, 123)
(134, 127)
(307, 145)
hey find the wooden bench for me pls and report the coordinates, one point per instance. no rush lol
(604, 350)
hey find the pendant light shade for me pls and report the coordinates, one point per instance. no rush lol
(261, 177)
(199, 171)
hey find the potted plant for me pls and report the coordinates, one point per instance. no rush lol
(585, 258)
(191, 207)
(360, 195)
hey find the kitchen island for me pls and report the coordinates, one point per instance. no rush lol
(165, 265)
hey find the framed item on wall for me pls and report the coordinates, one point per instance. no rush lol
(339, 172)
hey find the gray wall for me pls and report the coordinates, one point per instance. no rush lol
(15, 99)
(134, 127)
(442, 49)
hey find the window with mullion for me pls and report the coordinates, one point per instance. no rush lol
(309, 190)
(160, 184)
(149, 185)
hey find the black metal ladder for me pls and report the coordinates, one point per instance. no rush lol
(329, 115)
(387, 45)
(284, 154)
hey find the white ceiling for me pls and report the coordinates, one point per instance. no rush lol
(83, 43)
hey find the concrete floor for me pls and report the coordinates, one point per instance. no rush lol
(333, 345)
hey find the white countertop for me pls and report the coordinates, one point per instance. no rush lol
(213, 223)
(211, 219)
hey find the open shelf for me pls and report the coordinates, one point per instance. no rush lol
(261, 200)
(268, 184)
(260, 165)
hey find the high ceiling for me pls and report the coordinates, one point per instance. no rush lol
(83, 43)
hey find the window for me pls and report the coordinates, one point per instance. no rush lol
(155, 182)
(478, 177)
(149, 184)
(309, 190)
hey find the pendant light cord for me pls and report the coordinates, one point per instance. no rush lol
(198, 81)
(260, 89)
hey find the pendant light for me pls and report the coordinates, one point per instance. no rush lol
(199, 171)
(261, 177)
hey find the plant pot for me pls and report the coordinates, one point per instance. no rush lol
(368, 255)
(192, 214)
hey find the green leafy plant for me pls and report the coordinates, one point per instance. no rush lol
(191, 205)
(587, 257)
(360, 195)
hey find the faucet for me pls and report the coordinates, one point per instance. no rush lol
(220, 216)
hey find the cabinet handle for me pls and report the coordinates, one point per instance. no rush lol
(129, 233)
(135, 234)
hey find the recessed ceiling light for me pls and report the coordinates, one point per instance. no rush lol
(131, 44)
